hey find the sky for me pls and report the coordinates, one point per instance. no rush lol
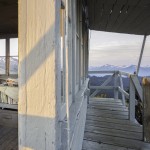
(105, 48)
(13, 47)
(117, 49)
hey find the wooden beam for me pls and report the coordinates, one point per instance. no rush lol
(73, 49)
(137, 86)
(124, 73)
(4, 36)
(39, 75)
(7, 56)
(121, 85)
(146, 109)
(141, 54)
(101, 72)
(132, 101)
(123, 92)
(116, 93)
(80, 43)
(9, 106)
(103, 87)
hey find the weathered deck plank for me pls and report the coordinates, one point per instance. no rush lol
(111, 120)
(111, 125)
(115, 116)
(104, 107)
(96, 112)
(114, 132)
(89, 145)
(8, 138)
(107, 127)
(118, 141)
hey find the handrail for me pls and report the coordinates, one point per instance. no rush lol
(134, 85)
(101, 72)
(103, 87)
(123, 91)
(109, 72)
(125, 73)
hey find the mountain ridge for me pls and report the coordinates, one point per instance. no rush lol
(144, 70)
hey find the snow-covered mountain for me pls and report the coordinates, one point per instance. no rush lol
(13, 65)
(2, 65)
(144, 71)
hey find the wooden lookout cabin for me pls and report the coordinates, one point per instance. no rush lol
(47, 105)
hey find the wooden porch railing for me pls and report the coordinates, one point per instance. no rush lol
(134, 85)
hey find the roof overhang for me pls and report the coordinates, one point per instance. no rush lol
(121, 16)
(8, 17)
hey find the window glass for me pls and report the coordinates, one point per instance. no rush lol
(2, 56)
(14, 47)
(2, 47)
(13, 56)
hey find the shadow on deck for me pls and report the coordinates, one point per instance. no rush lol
(108, 127)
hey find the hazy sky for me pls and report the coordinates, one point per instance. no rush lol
(117, 49)
(13, 47)
(105, 48)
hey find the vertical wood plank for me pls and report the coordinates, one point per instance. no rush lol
(80, 43)
(131, 101)
(39, 75)
(73, 48)
(137, 86)
(7, 56)
(146, 108)
(121, 85)
(116, 93)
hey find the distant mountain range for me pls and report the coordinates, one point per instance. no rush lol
(144, 71)
(13, 65)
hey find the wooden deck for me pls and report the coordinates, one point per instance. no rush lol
(8, 130)
(8, 138)
(108, 128)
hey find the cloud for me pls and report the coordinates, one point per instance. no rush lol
(117, 49)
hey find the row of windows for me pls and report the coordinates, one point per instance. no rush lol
(9, 56)
(77, 63)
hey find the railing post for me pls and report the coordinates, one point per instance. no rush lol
(146, 109)
(88, 92)
(116, 92)
(121, 85)
(131, 101)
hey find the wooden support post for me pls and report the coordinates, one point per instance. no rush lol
(80, 42)
(138, 86)
(141, 54)
(73, 49)
(86, 56)
(146, 109)
(131, 101)
(39, 75)
(121, 85)
(116, 92)
(7, 56)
